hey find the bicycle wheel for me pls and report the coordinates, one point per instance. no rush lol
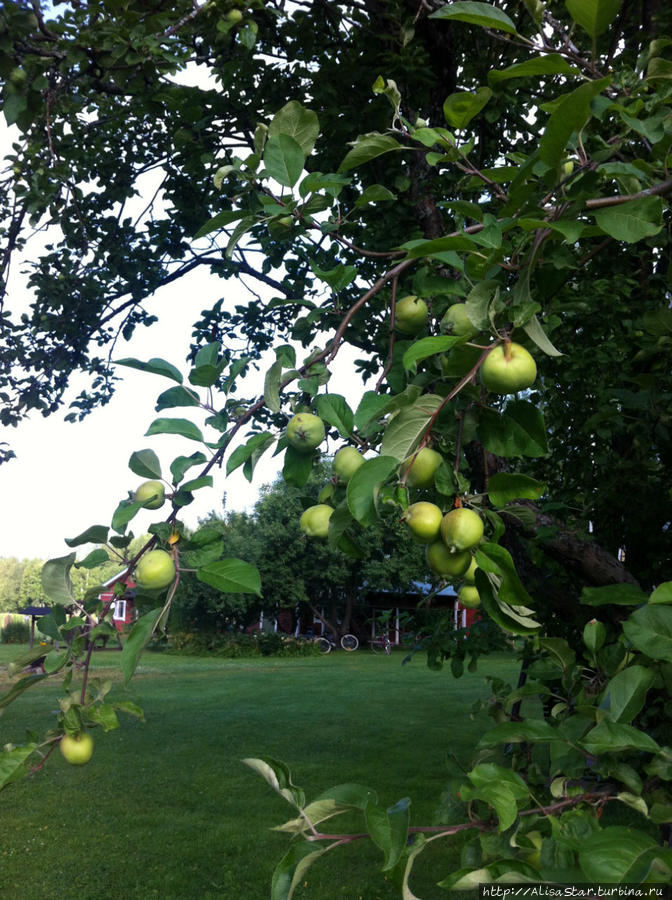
(349, 642)
(323, 644)
(377, 645)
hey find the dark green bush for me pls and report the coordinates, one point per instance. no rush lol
(234, 645)
(15, 633)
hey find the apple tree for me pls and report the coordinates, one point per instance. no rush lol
(508, 162)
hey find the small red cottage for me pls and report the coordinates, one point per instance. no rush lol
(124, 610)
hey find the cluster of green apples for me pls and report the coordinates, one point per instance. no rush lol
(507, 369)
(450, 537)
(156, 569)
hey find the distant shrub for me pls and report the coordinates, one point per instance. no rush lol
(235, 645)
(15, 633)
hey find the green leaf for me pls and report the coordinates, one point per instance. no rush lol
(625, 693)
(278, 776)
(553, 64)
(297, 466)
(145, 463)
(594, 16)
(569, 116)
(56, 582)
(207, 375)
(614, 737)
(662, 594)
(241, 228)
(284, 159)
(460, 108)
(96, 534)
(476, 14)
(462, 243)
(337, 278)
(299, 123)
(532, 328)
(93, 559)
(375, 193)
(272, 386)
(176, 396)
(220, 221)
(363, 487)
(291, 869)
(138, 638)
(366, 148)
(370, 409)
(334, 409)
(17, 689)
(650, 631)
(155, 366)
(497, 559)
(13, 763)
(530, 731)
(182, 464)
(515, 619)
(389, 830)
(123, 514)
(504, 487)
(406, 430)
(519, 431)
(254, 447)
(175, 426)
(631, 221)
(103, 715)
(427, 347)
(232, 576)
(618, 594)
(617, 854)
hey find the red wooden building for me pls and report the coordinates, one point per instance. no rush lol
(124, 610)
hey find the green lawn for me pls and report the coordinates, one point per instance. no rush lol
(166, 809)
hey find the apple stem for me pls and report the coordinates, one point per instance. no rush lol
(507, 350)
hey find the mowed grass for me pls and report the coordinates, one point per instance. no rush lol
(167, 809)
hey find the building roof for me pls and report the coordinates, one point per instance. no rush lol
(35, 610)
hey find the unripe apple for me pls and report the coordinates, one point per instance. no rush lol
(346, 462)
(470, 575)
(423, 468)
(461, 529)
(456, 321)
(424, 520)
(155, 571)
(234, 16)
(469, 597)
(410, 315)
(305, 432)
(315, 520)
(508, 368)
(444, 563)
(77, 750)
(151, 494)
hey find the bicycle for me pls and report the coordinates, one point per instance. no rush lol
(381, 642)
(348, 642)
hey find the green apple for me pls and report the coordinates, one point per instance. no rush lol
(315, 521)
(424, 520)
(151, 494)
(423, 468)
(410, 315)
(444, 563)
(305, 432)
(346, 462)
(469, 597)
(456, 321)
(234, 16)
(77, 750)
(155, 571)
(508, 368)
(461, 529)
(470, 575)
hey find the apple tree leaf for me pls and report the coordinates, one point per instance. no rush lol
(96, 534)
(145, 463)
(56, 582)
(155, 366)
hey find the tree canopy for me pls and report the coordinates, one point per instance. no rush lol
(473, 197)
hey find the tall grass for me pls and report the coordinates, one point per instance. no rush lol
(166, 808)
